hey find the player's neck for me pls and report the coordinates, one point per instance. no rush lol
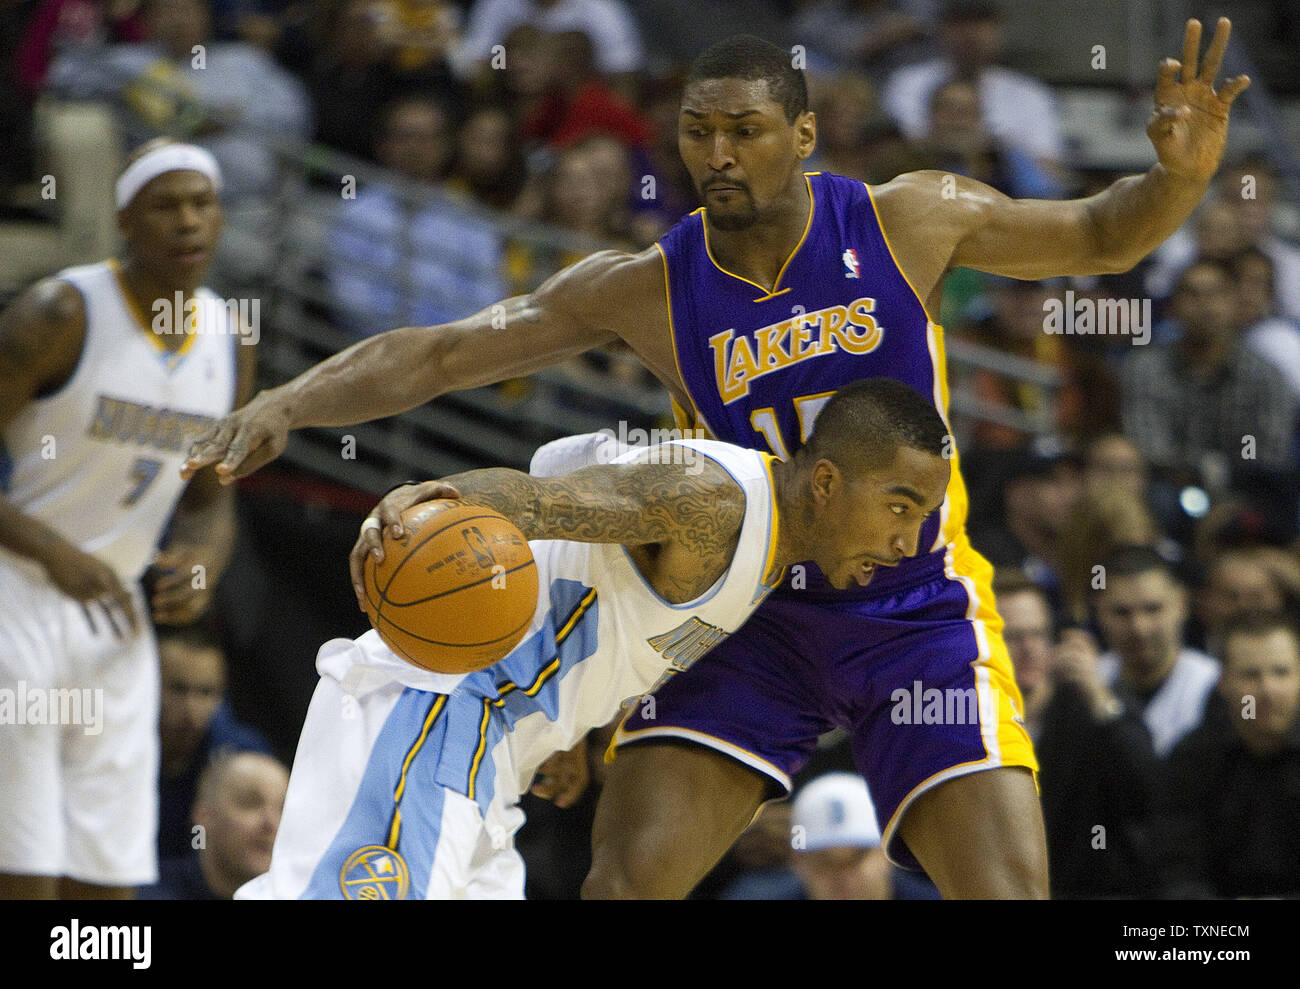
(760, 251)
(793, 542)
(147, 289)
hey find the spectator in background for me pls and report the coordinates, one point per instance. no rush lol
(411, 256)
(957, 139)
(1010, 318)
(615, 38)
(1018, 110)
(57, 25)
(1032, 491)
(1028, 631)
(195, 723)
(577, 103)
(1113, 462)
(585, 193)
(1230, 811)
(240, 800)
(845, 105)
(871, 36)
(1141, 611)
(1098, 523)
(353, 74)
(228, 97)
(1246, 578)
(1206, 393)
(1096, 764)
(489, 165)
(834, 851)
(1248, 190)
(1274, 338)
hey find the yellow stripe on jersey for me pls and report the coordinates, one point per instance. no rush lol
(812, 209)
(395, 829)
(142, 324)
(548, 671)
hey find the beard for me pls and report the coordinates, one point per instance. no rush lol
(741, 219)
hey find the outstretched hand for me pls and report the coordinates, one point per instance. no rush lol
(1189, 126)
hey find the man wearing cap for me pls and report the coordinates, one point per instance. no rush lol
(106, 373)
(835, 851)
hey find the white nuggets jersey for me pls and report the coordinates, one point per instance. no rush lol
(99, 459)
(406, 782)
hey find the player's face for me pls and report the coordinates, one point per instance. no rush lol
(874, 520)
(743, 155)
(172, 226)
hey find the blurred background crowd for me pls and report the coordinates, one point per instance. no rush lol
(409, 162)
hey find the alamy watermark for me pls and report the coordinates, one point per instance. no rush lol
(1087, 316)
(663, 446)
(204, 316)
(26, 705)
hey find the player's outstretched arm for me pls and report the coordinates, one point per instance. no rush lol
(693, 510)
(576, 309)
(1109, 232)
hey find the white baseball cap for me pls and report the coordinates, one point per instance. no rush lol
(834, 811)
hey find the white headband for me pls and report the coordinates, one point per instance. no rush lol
(168, 158)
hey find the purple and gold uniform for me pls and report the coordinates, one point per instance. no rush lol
(913, 666)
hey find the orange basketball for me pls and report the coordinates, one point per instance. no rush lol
(457, 591)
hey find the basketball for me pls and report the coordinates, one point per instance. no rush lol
(457, 591)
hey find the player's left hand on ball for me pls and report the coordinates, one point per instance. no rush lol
(1189, 126)
(181, 593)
(388, 515)
(563, 778)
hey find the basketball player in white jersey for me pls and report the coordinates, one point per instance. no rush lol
(406, 782)
(100, 398)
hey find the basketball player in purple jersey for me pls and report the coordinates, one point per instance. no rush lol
(751, 311)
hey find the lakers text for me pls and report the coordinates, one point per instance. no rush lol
(208, 316)
(24, 705)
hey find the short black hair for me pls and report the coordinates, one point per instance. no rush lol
(863, 425)
(1130, 561)
(747, 57)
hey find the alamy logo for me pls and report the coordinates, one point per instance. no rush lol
(950, 706)
(851, 263)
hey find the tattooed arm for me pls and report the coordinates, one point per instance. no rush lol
(679, 522)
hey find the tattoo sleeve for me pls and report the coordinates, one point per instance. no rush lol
(701, 511)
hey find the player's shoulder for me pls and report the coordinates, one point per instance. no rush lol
(48, 312)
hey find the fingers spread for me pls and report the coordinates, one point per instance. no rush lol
(1234, 88)
(1214, 57)
(1191, 48)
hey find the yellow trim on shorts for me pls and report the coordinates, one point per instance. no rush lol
(1008, 744)
(395, 829)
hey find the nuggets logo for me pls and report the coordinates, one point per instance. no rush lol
(374, 872)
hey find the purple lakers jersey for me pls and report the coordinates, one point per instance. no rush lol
(758, 366)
